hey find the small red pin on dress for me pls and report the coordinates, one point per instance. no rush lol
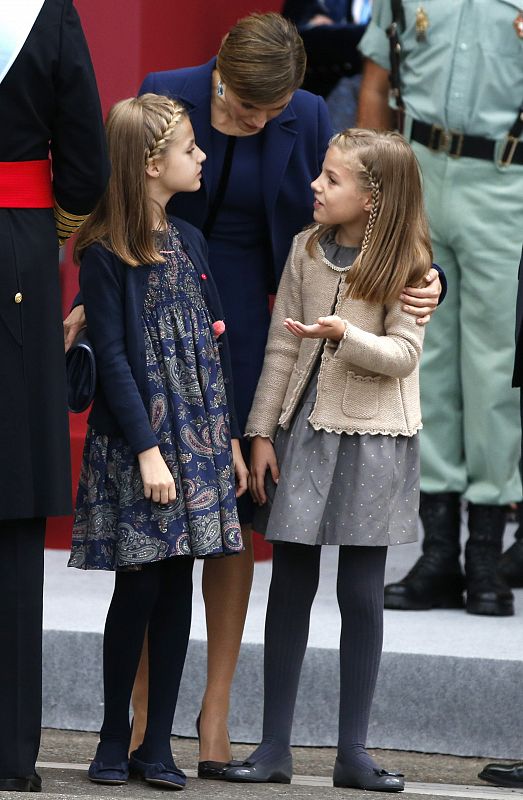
(218, 328)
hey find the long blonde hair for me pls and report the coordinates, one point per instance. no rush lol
(138, 130)
(396, 249)
(262, 58)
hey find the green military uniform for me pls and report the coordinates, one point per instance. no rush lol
(462, 69)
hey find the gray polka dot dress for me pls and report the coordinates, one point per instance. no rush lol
(340, 489)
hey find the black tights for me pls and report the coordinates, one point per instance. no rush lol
(158, 598)
(295, 575)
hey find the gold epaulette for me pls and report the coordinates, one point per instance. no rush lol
(66, 223)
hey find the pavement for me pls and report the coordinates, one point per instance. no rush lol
(65, 755)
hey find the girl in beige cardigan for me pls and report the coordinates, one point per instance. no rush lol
(334, 426)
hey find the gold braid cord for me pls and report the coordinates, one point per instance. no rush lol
(66, 223)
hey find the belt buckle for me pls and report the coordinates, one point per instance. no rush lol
(437, 138)
(455, 151)
(442, 141)
(507, 151)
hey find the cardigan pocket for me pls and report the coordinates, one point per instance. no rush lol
(361, 396)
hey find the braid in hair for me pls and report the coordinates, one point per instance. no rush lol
(375, 207)
(168, 116)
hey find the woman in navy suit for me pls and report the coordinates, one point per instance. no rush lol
(265, 140)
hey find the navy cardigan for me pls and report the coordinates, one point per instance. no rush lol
(113, 294)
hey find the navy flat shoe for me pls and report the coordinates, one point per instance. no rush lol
(157, 774)
(276, 772)
(376, 780)
(110, 774)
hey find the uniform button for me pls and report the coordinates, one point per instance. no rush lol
(18, 297)
(464, 46)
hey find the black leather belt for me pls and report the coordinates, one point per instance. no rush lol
(457, 144)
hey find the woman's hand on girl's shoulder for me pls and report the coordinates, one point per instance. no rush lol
(240, 468)
(422, 301)
(263, 458)
(331, 327)
(158, 482)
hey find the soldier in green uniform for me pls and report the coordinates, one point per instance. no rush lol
(457, 81)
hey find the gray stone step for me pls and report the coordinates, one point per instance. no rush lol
(449, 682)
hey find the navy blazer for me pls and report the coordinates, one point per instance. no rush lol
(113, 294)
(294, 146)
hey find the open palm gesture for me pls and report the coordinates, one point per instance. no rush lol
(331, 327)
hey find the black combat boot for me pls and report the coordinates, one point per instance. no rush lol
(487, 592)
(436, 579)
(510, 565)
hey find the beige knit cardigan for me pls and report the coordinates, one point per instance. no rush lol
(368, 382)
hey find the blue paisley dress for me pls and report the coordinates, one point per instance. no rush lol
(115, 527)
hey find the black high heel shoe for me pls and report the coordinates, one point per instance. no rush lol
(212, 770)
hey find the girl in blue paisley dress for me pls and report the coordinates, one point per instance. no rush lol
(157, 487)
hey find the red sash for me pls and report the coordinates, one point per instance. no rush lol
(26, 184)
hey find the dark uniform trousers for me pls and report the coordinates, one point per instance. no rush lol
(21, 590)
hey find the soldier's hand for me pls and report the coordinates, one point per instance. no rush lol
(73, 324)
(320, 19)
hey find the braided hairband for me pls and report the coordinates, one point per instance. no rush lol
(164, 140)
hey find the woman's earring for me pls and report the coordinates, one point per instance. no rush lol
(220, 88)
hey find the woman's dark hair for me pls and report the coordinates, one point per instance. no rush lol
(262, 58)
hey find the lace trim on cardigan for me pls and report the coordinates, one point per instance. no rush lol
(371, 431)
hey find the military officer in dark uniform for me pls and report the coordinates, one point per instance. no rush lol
(50, 114)
(511, 567)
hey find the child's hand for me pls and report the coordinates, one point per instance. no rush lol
(263, 458)
(421, 302)
(240, 468)
(158, 482)
(331, 327)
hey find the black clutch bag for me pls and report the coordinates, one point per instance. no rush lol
(80, 366)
